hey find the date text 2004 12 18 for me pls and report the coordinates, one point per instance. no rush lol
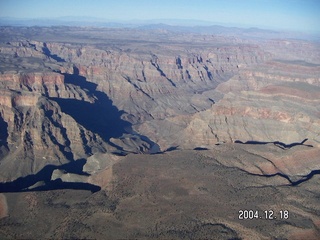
(267, 214)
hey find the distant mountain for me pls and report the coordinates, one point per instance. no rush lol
(253, 32)
(212, 29)
(172, 25)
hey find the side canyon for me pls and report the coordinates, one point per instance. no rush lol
(129, 116)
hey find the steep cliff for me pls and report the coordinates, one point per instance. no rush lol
(274, 101)
(235, 123)
(125, 92)
(37, 131)
(159, 82)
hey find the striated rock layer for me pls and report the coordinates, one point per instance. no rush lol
(138, 93)
(79, 106)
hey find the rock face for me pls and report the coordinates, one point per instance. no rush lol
(253, 105)
(44, 114)
(86, 113)
(159, 84)
(40, 133)
(174, 90)
(168, 94)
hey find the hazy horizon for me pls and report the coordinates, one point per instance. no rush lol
(294, 15)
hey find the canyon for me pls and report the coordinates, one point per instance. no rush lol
(157, 134)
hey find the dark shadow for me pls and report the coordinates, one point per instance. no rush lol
(100, 117)
(292, 183)
(48, 53)
(211, 100)
(4, 149)
(23, 184)
(170, 149)
(3, 133)
(162, 73)
(306, 178)
(79, 81)
(284, 146)
(200, 149)
(277, 143)
(120, 153)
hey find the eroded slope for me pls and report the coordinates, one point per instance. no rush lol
(181, 194)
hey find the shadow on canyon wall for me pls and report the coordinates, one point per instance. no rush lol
(47, 52)
(43, 178)
(3, 132)
(277, 143)
(3, 138)
(100, 117)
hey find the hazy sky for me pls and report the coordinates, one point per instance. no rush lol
(283, 14)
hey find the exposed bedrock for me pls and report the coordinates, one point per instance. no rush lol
(158, 82)
(201, 97)
(234, 123)
(52, 118)
(256, 104)
(65, 101)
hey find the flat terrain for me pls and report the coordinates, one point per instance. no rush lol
(180, 195)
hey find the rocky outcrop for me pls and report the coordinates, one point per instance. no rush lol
(272, 102)
(159, 83)
(72, 104)
(48, 116)
(155, 95)
(46, 121)
(22, 48)
(154, 84)
(40, 133)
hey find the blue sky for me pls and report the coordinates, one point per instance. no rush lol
(278, 14)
